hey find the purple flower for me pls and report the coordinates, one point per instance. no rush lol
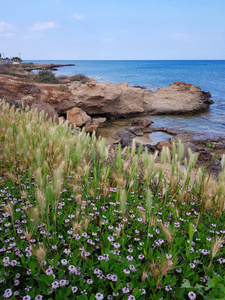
(38, 297)
(131, 297)
(74, 289)
(89, 281)
(67, 251)
(176, 224)
(13, 263)
(221, 260)
(64, 262)
(125, 290)
(49, 272)
(99, 296)
(55, 284)
(27, 297)
(132, 268)
(116, 245)
(62, 282)
(129, 257)
(114, 278)
(16, 282)
(7, 293)
(168, 288)
(191, 295)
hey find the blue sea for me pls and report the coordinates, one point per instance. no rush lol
(209, 75)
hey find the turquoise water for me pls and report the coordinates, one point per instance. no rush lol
(208, 75)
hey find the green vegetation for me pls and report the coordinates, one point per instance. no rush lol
(46, 76)
(80, 221)
(16, 58)
(80, 77)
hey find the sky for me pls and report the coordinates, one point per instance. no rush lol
(113, 30)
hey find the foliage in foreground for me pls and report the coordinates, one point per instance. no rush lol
(78, 222)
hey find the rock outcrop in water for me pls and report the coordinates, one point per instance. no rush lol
(177, 98)
(106, 99)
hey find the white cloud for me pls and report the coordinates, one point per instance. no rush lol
(78, 16)
(7, 29)
(44, 26)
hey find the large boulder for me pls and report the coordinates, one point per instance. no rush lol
(77, 116)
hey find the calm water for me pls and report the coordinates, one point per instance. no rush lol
(208, 75)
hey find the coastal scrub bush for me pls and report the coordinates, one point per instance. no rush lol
(78, 221)
(80, 77)
(46, 76)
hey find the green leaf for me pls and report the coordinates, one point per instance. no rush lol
(135, 292)
(111, 284)
(32, 266)
(61, 273)
(58, 297)
(56, 259)
(44, 278)
(68, 291)
(186, 284)
(92, 297)
(198, 286)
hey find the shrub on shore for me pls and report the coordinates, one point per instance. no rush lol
(80, 222)
(46, 76)
(79, 77)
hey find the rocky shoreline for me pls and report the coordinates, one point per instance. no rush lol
(53, 67)
(90, 104)
(209, 148)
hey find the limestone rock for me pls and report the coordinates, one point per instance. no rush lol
(94, 124)
(29, 100)
(141, 122)
(49, 111)
(108, 99)
(162, 144)
(177, 98)
(137, 130)
(99, 121)
(77, 116)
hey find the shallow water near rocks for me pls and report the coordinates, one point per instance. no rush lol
(153, 138)
(159, 136)
(111, 127)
